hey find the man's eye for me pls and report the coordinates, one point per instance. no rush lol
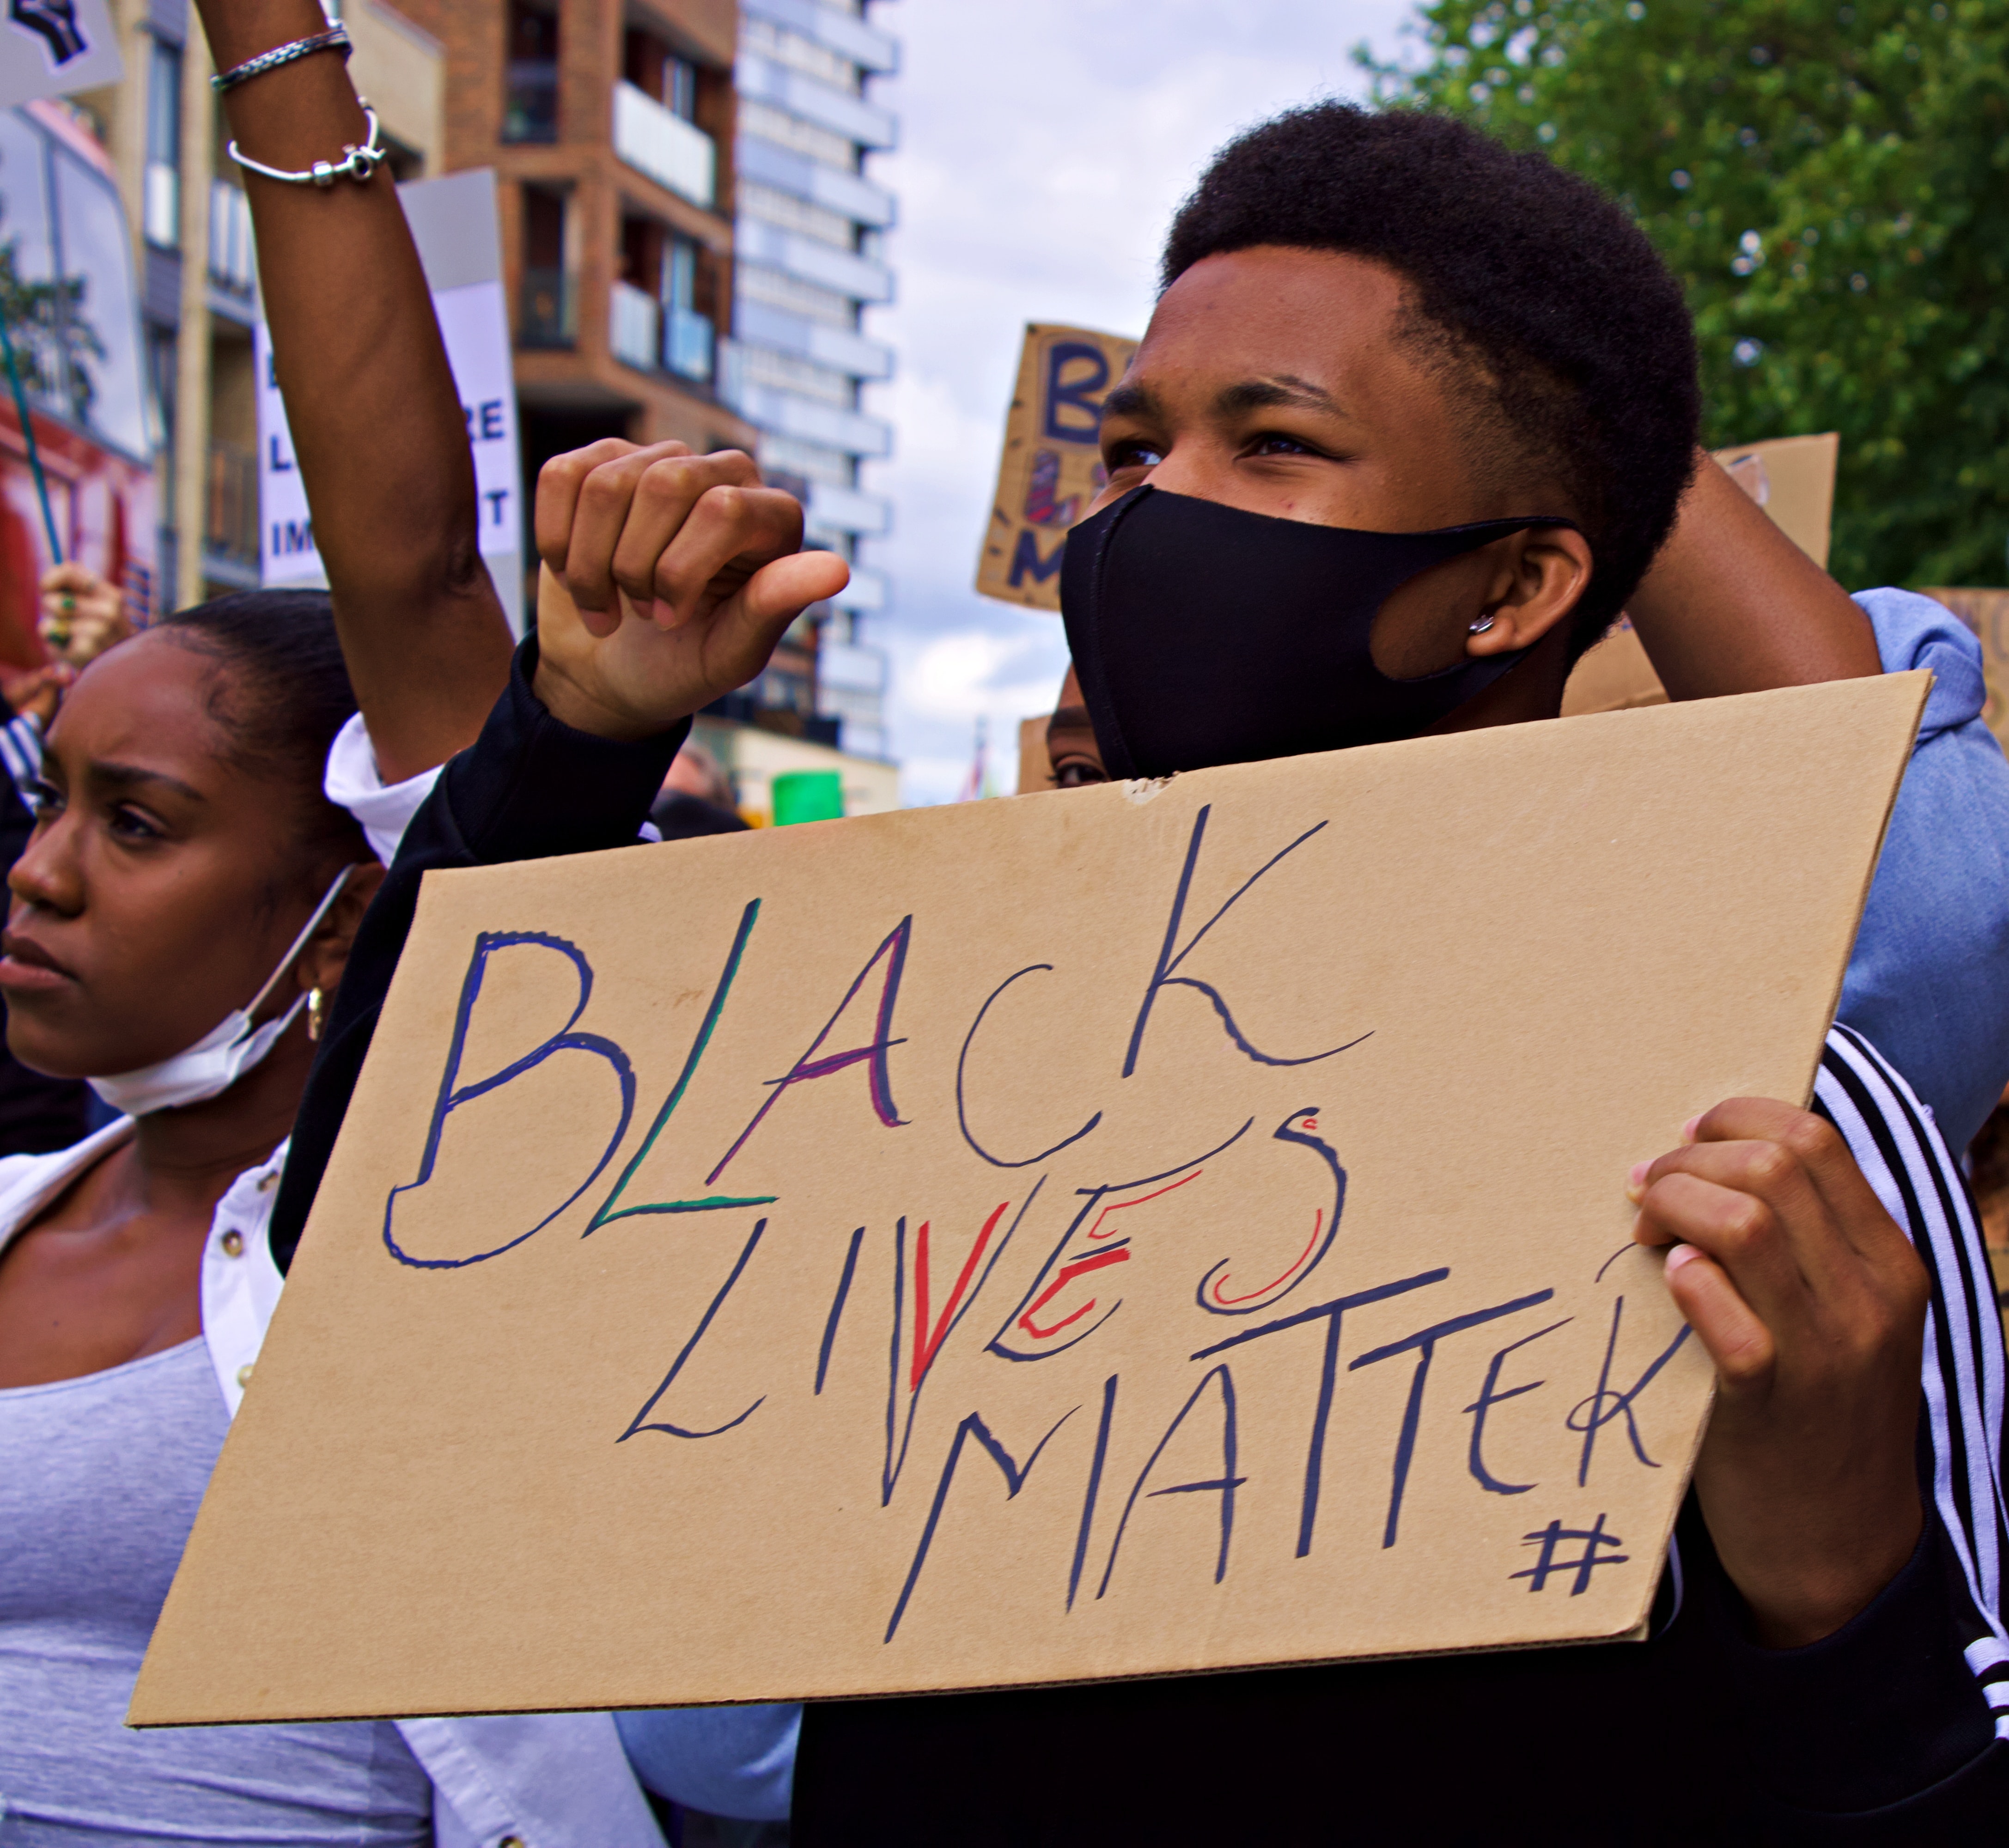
(43, 797)
(1078, 773)
(1132, 454)
(1275, 443)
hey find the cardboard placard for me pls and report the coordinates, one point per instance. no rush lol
(1792, 478)
(1051, 468)
(1036, 768)
(1124, 1231)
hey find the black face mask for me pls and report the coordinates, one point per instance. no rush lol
(1204, 635)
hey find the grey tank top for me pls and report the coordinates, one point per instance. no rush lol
(99, 1478)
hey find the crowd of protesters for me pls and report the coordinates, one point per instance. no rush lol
(1371, 325)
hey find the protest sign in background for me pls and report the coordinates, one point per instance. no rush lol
(1051, 467)
(1792, 478)
(1140, 1229)
(56, 48)
(454, 225)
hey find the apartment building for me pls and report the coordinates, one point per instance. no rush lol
(612, 126)
(193, 263)
(811, 225)
(609, 128)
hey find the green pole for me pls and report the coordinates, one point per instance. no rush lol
(28, 437)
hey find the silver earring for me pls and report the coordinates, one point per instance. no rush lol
(1481, 626)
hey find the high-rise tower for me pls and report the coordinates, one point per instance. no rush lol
(809, 232)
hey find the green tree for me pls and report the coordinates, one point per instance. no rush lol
(1831, 183)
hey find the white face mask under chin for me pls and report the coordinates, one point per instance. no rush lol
(221, 1055)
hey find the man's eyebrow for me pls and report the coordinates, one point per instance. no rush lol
(1070, 718)
(133, 776)
(1132, 401)
(1279, 392)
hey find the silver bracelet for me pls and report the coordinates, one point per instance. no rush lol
(358, 163)
(335, 39)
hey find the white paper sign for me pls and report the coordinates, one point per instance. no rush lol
(54, 48)
(474, 323)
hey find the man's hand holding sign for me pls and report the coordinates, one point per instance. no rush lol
(1812, 1305)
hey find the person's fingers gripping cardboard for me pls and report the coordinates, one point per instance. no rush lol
(1811, 1304)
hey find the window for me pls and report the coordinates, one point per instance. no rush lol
(27, 261)
(680, 88)
(680, 273)
(689, 337)
(106, 394)
(659, 73)
(530, 106)
(163, 364)
(547, 318)
(161, 203)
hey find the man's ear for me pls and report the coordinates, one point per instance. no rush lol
(326, 954)
(1541, 577)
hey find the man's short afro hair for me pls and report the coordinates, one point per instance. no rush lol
(1552, 297)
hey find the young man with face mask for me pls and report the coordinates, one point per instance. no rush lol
(1411, 421)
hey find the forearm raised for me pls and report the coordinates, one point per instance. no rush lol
(1732, 605)
(376, 420)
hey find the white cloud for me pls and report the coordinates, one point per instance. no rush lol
(1044, 147)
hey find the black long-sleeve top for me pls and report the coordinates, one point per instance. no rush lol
(1883, 1733)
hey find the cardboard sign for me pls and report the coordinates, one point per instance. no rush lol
(1036, 768)
(1147, 1228)
(454, 225)
(1052, 467)
(1792, 478)
(56, 48)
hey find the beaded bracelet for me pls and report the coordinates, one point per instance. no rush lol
(335, 39)
(358, 163)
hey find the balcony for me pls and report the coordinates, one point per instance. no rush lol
(530, 102)
(785, 414)
(813, 260)
(635, 327)
(789, 172)
(657, 143)
(230, 507)
(824, 25)
(549, 312)
(842, 113)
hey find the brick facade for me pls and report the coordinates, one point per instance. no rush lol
(571, 393)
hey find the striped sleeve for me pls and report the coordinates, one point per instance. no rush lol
(21, 749)
(1899, 1148)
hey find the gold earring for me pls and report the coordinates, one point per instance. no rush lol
(316, 1013)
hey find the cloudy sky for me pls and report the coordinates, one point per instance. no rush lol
(1044, 146)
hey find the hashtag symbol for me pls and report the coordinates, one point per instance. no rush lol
(1554, 1536)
